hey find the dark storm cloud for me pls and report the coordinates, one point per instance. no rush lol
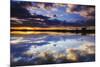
(18, 9)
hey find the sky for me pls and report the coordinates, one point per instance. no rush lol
(63, 12)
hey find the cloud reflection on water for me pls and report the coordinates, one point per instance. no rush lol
(39, 49)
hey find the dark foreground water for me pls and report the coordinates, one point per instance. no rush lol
(51, 49)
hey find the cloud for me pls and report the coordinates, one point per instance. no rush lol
(58, 47)
(18, 9)
(71, 8)
(88, 13)
(40, 5)
(83, 10)
(54, 9)
(58, 51)
(85, 50)
(16, 59)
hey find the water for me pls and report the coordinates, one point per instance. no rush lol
(50, 49)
